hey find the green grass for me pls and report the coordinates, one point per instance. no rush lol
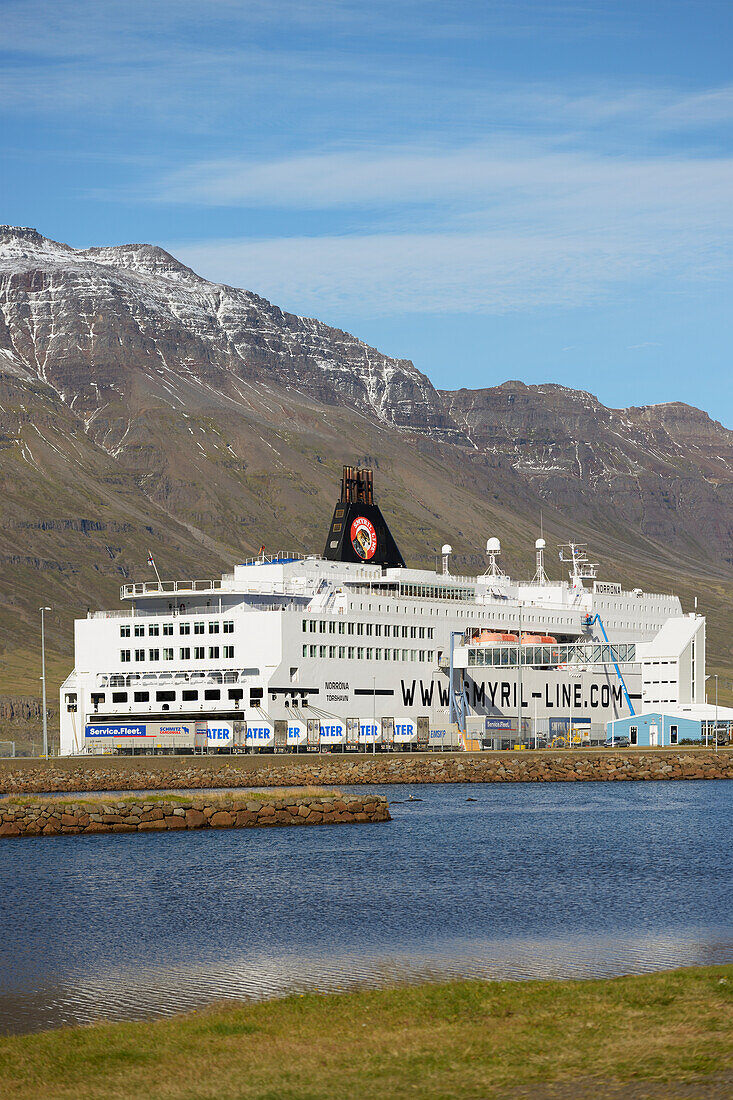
(460, 1039)
(240, 794)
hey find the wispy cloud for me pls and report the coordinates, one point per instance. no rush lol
(383, 274)
(79, 28)
(499, 176)
(408, 178)
(485, 228)
(181, 61)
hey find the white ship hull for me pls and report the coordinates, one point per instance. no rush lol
(360, 685)
(304, 653)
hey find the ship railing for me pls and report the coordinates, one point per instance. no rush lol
(196, 676)
(122, 613)
(269, 607)
(566, 586)
(152, 588)
(298, 600)
(282, 557)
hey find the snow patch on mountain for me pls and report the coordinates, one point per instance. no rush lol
(101, 313)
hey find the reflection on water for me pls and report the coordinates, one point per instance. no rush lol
(529, 881)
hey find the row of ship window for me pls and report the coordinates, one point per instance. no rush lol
(507, 617)
(376, 630)
(367, 653)
(545, 656)
(188, 695)
(416, 591)
(166, 629)
(184, 654)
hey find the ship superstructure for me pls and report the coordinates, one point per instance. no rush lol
(354, 649)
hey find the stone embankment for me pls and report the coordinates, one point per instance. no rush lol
(56, 817)
(129, 773)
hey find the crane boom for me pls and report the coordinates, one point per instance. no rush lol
(597, 619)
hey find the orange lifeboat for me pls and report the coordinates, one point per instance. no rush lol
(532, 639)
(494, 637)
(547, 639)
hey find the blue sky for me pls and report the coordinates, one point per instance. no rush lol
(534, 189)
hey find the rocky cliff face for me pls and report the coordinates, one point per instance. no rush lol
(144, 408)
(117, 332)
(98, 322)
(666, 471)
(21, 709)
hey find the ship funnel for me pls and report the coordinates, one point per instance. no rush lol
(446, 552)
(359, 532)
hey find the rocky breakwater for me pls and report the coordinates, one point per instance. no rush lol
(138, 814)
(133, 773)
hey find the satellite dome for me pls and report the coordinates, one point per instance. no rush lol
(447, 548)
(540, 544)
(493, 546)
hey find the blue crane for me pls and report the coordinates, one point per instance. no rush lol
(597, 619)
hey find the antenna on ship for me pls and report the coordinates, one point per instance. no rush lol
(540, 577)
(575, 554)
(446, 552)
(493, 549)
(151, 561)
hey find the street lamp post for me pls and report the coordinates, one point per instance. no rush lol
(570, 730)
(43, 678)
(716, 712)
(519, 680)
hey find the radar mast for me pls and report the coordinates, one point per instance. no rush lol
(575, 554)
(540, 578)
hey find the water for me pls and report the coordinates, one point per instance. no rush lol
(530, 880)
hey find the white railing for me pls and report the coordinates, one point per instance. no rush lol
(158, 679)
(280, 558)
(152, 588)
(291, 600)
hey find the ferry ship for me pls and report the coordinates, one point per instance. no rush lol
(353, 651)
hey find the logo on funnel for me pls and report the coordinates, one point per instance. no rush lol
(364, 538)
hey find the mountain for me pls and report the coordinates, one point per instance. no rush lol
(143, 408)
(86, 321)
(665, 470)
